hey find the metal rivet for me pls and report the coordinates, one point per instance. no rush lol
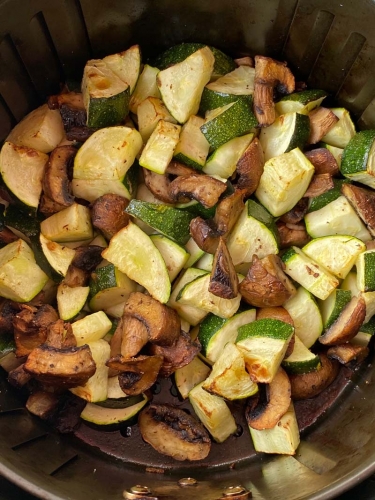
(232, 491)
(140, 490)
(187, 481)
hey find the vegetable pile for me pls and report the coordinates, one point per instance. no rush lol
(203, 218)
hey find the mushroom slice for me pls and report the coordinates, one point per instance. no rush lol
(79, 134)
(134, 336)
(71, 107)
(76, 277)
(292, 237)
(18, 377)
(228, 211)
(323, 160)
(8, 310)
(345, 353)
(173, 432)
(223, 280)
(204, 234)
(56, 183)
(309, 385)
(266, 284)
(108, 214)
(319, 184)
(31, 327)
(271, 404)
(347, 324)
(42, 404)
(321, 120)
(177, 168)
(87, 257)
(270, 75)
(363, 202)
(67, 367)
(60, 335)
(136, 374)
(203, 188)
(159, 186)
(177, 355)
(162, 322)
(250, 168)
(7, 236)
(297, 213)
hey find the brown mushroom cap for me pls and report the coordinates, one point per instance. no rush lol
(173, 432)
(309, 385)
(296, 236)
(223, 279)
(272, 403)
(162, 322)
(42, 404)
(68, 367)
(297, 213)
(134, 336)
(136, 374)
(346, 353)
(203, 188)
(319, 184)
(266, 284)
(321, 121)
(159, 186)
(250, 168)
(348, 323)
(363, 202)
(323, 160)
(108, 214)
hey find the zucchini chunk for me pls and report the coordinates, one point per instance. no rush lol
(70, 300)
(342, 132)
(149, 113)
(190, 375)
(365, 271)
(105, 96)
(134, 254)
(146, 87)
(19, 162)
(58, 256)
(223, 161)
(302, 360)
(106, 417)
(213, 412)
(21, 279)
(181, 85)
(174, 255)
(126, 65)
(192, 148)
(71, 224)
(301, 102)
(357, 162)
(91, 328)
(42, 129)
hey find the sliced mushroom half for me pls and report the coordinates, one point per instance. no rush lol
(309, 385)
(266, 284)
(177, 355)
(347, 324)
(321, 120)
(173, 432)
(292, 236)
(250, 168)
(363, 202)
(223, 279)
(158, 184)
(270, 75)
(136, 374)
(319, 184)
(323, 160)
(66, 367)
(297, 213)
(203, 188)
(56, 183)
(108, 214)
(272, 403)
(42, 404)
(346, 353)
(134, 336)
(162, 322)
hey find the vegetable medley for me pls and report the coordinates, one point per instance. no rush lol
(201, 217)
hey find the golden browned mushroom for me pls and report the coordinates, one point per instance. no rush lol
(323, 160)
(173, 432)
(266, 284)
(18, 377)
(31, 327)
(162, 322)
(177, 355)
(136, 375)
(348, 323)
(60, 335)
(223, 279)
(42, 404)
(321, 120)
(245, 61)
(270, 75)
(292, 236)
(363, 202)
(8, 310)
(297, 213)
(108, 214)
(250, 168)
(345, 353)
(159, 186)
(134, 336)
(177, 168)
(73, 115)
(320, 183)
(309, 385)
(203, 188)
(271, 403)
(206, 233)
(66, 367)
(56, 183)
(85, 260)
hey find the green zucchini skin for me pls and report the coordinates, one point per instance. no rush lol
(356, 154)
(108, 111)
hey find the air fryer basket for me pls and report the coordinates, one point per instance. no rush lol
(328, 43)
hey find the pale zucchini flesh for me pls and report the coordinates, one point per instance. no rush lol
(70, 301)
(71, 224)
(91, 328)
(149, 113)
(146, 87)
(189, 376)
